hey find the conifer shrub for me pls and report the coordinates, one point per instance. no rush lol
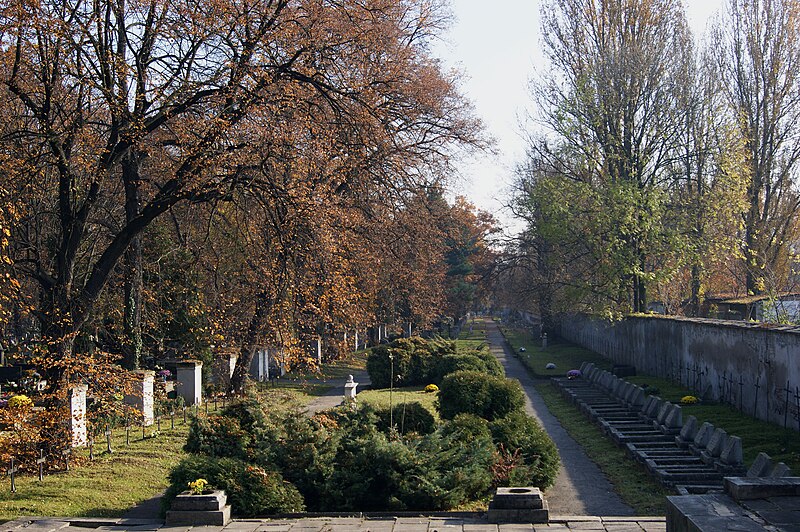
(217, 435)
(519, 433)
(252, 491)
(418, 362)
(407, 418)
(480, 394)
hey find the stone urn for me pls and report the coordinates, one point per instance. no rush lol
(207, 508)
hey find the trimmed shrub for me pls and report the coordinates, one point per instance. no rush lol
(217, 435)
(407, 417)
(435, 472)
(252, 491)
(451, 363)
(467, 427)
(477, 393)
(369, 473)
(379, 366)
(449, 471)
(493, 366)
(540, 461)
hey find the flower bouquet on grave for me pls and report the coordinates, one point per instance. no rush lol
(199, 486)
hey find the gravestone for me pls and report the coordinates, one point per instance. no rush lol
(190, 381)
(688, 432)
(716, 444)
(761, 466)
(77, 415)
(702, 437)
(318, 347)
(731, 454)
(142, 399)
(259, 367)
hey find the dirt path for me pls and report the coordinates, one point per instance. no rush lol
(580, 488)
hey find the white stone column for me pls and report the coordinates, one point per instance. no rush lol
(356, 342)
(319, 349)
(232, 359)
(190, 381)
(142, 398)
(77, 414)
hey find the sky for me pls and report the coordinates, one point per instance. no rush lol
(496, 47)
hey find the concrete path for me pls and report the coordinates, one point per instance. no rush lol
(341, 524)
(335, 395)
(580, 488)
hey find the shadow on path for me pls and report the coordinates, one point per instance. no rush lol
(580, 488)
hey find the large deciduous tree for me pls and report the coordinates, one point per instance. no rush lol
(127, 109)
(756, 47)
(608, 103)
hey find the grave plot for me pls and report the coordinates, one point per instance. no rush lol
(686, 456)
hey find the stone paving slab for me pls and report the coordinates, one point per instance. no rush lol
(349, 524)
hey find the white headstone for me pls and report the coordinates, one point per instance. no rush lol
(232, 359)
(190, 381)
(142, 399)
(77, 415)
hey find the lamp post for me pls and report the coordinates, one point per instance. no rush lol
(391, 387)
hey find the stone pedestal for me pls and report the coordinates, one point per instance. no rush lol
(77, 415)
(197, 510)
(518, 505)
(350, 390)
(190, 381)
(142, 397)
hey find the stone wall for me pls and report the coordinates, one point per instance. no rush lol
(754, 367)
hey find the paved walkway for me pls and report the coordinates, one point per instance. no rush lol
(343, 524)
(580, 488)
(335, 395)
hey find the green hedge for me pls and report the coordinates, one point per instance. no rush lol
(483, 395)
(419, 362)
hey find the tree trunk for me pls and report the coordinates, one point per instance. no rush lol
(132, 315)
(248, 349)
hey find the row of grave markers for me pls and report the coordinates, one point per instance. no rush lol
(13, 466)
(189, 387)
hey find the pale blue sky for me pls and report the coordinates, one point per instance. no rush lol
(496, 46)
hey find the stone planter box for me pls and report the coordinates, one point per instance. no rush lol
(209, 508)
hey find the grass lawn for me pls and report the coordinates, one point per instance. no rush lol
(631, 481)
(105, 487)
(564, 355)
